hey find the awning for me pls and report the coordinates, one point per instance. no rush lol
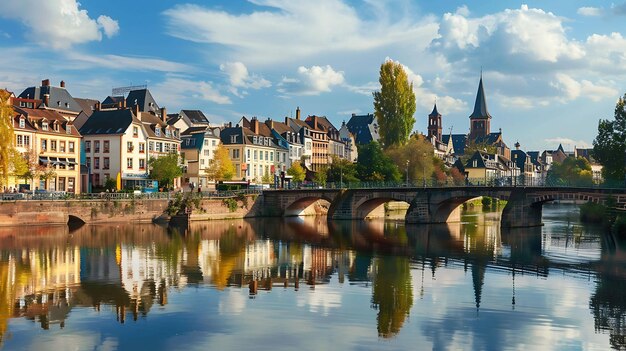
(54, 160)
(62, 161)
(43, 160)
(71, 161)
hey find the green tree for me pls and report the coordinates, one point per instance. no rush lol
(572, 171)
(609, 147)
(221, 166)
(320, 176)
(267, 179)
(394, 104)
(341, 170)
(19, 164)
(374, 165)
(392, 293)
(165, 169)
(420, 156)
(297, 172)
(6, 136)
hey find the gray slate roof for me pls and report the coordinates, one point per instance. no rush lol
(108, 122)
(59, 98)
(480, 106)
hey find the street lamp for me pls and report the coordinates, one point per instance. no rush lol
(407, 173)
(424, 170)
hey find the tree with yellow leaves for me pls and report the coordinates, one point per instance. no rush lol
(6, 136)
(221, 167)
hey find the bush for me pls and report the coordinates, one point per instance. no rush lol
(231, 204)
(486, 201)
(592, 212)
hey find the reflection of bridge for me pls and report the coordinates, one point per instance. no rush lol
(432, 205)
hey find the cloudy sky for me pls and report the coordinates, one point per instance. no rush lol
(551, 70)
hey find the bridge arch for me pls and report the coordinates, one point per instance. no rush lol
(75, 220)
(375, 207)
(305, 206)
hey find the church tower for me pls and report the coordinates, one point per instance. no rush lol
(434, 124)
(480, 119)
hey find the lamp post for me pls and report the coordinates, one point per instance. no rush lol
(424, 171)
(407, 173)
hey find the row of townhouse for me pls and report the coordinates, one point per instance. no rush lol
(81, 143)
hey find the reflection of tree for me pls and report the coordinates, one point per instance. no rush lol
(608, 305)
(392, 293)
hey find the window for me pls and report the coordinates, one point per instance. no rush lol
(70, 147)
(233, 139)
(206, 142)
(261, 155)
(88, 162)
(271, 156)
(266, 156)
(68, 129)
(44, 126)
(27, 140)
(202, 162)
(87, 146)
(129, 163)
(19, 140)
(135, 131)
(106, 146)
(96, 146)
(248, 155)
(62, 146)
(53, 145)
(157, 131)
(207, 152)
(255, 155)
(96, 163)
(159, 147)
(142, 163)
(167, 132)
(151, 146)
(166, 147)
(96, 180)
(22, 122)
(129, 146)
(105, 163)
(142, 148)
(213, 142)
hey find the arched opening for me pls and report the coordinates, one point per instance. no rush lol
(308, 206)
(451, 210)
(74, 222)
(382, 207)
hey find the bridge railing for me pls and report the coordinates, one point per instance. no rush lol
(62, 196)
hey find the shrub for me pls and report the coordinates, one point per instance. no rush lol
(231, 204)
(486, 201)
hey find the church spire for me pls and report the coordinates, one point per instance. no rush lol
(435, 112)
(480, 106)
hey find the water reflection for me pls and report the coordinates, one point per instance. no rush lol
(126, 270)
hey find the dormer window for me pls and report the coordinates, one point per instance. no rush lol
(233, 139)
(68, 129)
(167, 133)
(22, 122)
(44, 125)
(157, 131)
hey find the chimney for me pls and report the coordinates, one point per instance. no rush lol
(45, 82)
(46, 99)
(287, 120)
(298, 113)
(314, 122)
(62, 84)
(97, 107)
(354, 114)
(124, 104)
(136, 111)
(270, 123)
(164, 114)
(120, 105)
(255, 125)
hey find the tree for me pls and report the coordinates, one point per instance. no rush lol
(221, 167)
(374, 165)
(297, 172)
(394, 104)
(165, 169)
(341, 170)
(33, 168)
(6, 136)
(19, 164)
(320, 176)
(420, 156)
(609, 147)
(572, 171)
(267, 178)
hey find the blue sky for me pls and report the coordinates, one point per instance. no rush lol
(551, 70)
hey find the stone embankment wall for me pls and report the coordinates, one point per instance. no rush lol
(58, 212)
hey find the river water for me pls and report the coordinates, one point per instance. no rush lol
(306, 284)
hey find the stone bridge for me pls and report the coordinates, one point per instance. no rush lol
(432, 205)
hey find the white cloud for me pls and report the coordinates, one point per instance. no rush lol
(589, 11)
(239, 77)
(108, 25)
(182, 92)
(572, 89)
(57, 23)
(128, 63)
(289, 30)
(312, 81)
(568, 144)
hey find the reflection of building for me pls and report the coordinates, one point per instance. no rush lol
(140, 265)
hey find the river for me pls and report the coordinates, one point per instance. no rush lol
(306, 284)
